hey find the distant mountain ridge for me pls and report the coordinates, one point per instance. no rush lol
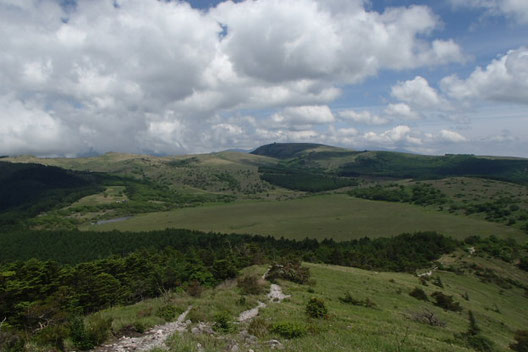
(290, 150)
(349, 163)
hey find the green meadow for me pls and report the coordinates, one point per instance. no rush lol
(337, 216)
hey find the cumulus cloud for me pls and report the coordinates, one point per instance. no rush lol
(304, 115)
(505, 79)
(363, 117)
(401, 111)
(403, 137)
(517, 9)
(419, 93)
(397, 136)
(143, 76)
(451, 136)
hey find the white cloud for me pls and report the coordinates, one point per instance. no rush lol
(401, 111)
(304, 115)
(156, 76)
(363, 117)
(418, 93)
(397, 136)
(517, 9)
(504, 79)
(26, 128)
(278, 41)
(451, 136)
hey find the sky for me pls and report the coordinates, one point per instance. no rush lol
(82, 77)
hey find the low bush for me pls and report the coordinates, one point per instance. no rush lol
(291, 271)
(521, 341)
(316, 308)
(94, 334)
(194, 289)
(523, 264)
(168, 312)
(427, 317)
(418, 293)
(446, 302)
(222, 322)
(258, 327)
(250, 285)
(53, 336)
(349, 299)
(11, 341)
(480, 343)
(437, 281)
(289, 330)
(139, 327)
(473, 338)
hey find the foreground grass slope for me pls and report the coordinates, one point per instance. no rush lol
(386, 326)
(330, 216)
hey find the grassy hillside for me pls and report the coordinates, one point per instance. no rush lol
(399, 165)
(390, 325)
(331, 216)
(29, 189)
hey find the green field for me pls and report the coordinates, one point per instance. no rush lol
(329, 216)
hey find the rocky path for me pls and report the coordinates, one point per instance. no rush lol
(157, 336)
(153, 338)
(276, 294)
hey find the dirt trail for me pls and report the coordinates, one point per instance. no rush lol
(153, 338)
(275, 295)
(250, 314)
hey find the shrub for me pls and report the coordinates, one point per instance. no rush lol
(368, 303)
(79, 335)
(168, 312)
(521, 341)
(11, 341)
(139, 327)
(291, 271)
(250, 285)
(446, 302)
(258, 327)
(99, 328)
(418, 293)
(437, 281)
(97, 331)
(427, 317)
(349, 299)
(479, 343)
(315, 308)
(473, 338)
(222, 322)
(523, 264)
(289, 330)
(194, 289)
(473, 327)
(53, 335)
